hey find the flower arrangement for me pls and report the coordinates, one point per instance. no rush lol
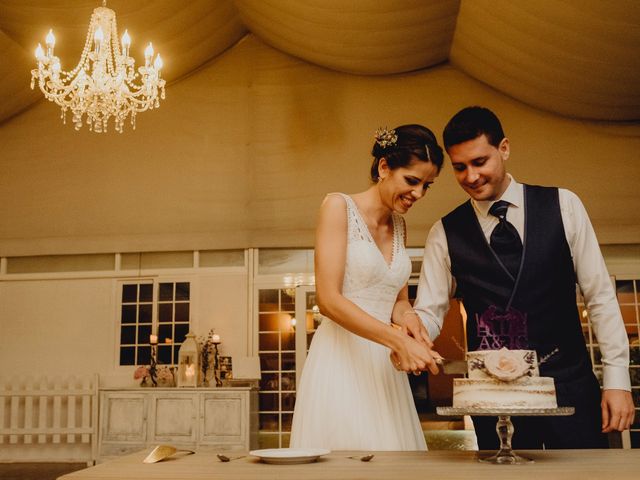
(143, 374)
(164, 376)
(207, 347)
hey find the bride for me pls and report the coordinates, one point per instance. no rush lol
(351, 397)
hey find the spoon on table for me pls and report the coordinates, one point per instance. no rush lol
(364, 458)
(224, 458)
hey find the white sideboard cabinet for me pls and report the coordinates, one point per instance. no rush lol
(194, 418)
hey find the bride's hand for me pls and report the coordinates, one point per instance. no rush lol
(413, 356)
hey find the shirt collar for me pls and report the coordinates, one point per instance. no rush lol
(514, 194)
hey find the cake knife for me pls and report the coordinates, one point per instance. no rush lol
(453, 366)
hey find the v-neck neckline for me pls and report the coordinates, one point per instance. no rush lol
(389, 263)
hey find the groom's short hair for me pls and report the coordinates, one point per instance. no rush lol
(470, 123)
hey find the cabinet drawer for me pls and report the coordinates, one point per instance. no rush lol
(174, 418)
(124, 418)
(224, 419)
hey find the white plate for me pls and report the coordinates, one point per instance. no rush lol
(289, 456)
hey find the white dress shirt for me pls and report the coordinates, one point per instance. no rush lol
(437, 285)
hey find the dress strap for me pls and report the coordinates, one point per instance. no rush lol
(357, 229)
(399, 233)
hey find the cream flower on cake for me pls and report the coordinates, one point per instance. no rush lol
(505, 365)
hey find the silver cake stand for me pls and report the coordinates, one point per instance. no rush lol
(504, 427)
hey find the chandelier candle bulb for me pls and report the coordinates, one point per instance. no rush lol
(50, 40)
(126, 43)
(148, 53)
(39, 53)
(98, 37)
(157, 64)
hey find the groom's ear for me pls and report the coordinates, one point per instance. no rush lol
(504, 148)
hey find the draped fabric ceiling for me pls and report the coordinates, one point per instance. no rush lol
(574, 58)
(272, 103)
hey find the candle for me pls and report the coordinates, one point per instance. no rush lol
(148, 53)
(153, 339)
(190, 371)
(215, 338)
(39, 53)
(126, 42)
(50, 39)
(98, 37)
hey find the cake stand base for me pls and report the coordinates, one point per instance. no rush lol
(504, 428)
(505, 455)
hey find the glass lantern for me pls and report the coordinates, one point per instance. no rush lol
(188, 368)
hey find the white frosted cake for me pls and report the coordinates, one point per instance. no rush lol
(504, 379)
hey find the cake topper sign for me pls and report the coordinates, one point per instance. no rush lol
(498, 329)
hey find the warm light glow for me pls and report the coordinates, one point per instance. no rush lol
(190, 370)
(215, 338)
(105, 83)
(148, 52)
(99, 35)
(168, 340)
(293, 322)
(126, 39)
(153, 339)
(158, 63)
(39, 52)
(50, 39)
(584, 314)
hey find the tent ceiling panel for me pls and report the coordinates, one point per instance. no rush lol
(573, 58)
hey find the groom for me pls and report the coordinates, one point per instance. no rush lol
(513, 254)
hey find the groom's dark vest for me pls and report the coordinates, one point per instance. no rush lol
(535, 310)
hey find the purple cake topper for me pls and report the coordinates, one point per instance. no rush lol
(497, 329)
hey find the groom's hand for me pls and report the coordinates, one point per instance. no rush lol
(617, 410)
(414, 327)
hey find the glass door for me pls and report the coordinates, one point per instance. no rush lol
(287, 319)
(308, 319)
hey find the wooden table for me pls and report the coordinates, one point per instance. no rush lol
(434, 465)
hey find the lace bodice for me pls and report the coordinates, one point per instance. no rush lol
(369, 281)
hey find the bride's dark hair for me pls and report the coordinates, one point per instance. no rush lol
(412, 141)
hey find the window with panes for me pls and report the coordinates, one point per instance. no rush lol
(148, 307)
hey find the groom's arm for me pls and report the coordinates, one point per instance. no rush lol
(435, 286)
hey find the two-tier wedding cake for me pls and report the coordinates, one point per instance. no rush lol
(504, 379)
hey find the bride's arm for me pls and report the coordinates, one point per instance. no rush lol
(330, 260)
(403, 313)
(408, 320)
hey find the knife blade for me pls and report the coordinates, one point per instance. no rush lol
(453, 366)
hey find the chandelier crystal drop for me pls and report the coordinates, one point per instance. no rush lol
(105, 82)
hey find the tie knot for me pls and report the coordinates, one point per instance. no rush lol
(499, 209)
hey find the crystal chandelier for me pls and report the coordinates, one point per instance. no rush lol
(105, 83)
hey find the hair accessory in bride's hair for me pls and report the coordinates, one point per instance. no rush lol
(386, 138)
(426, 147)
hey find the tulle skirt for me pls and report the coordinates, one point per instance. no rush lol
(351, 398)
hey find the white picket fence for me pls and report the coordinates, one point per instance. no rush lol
(58, 415)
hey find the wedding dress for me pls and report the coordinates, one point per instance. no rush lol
(350, 396)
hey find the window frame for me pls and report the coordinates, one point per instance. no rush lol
(155, 280)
